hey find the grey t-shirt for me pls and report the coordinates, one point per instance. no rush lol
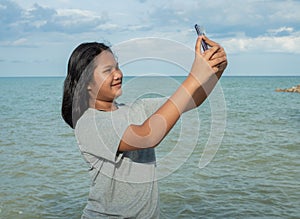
(123, 185)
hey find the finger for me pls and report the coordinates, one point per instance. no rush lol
(220, 68)
(198, 44)
(209, 41)
(208, 54)
(215, 69)
(218, 54)
(216, 62)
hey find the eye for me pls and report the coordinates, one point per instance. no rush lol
(110, 69)
(107, 70)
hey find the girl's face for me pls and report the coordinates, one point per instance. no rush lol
(107, 81)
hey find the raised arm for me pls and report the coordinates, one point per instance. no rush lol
(216, 58)
(206, 70)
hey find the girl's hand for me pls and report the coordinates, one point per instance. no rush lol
(215, 56)
(211, 62)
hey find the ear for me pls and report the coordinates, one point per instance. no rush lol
(90, 92)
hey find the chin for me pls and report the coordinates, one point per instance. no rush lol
(118, 93)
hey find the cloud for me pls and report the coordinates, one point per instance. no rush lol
(10, 14)
(264, 44)
(76, 21)
(222, 17)
(19, 42)
(281, 31)
(245, 28)
(241, 28)
(17, 22)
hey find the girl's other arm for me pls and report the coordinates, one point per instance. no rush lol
(206, 70)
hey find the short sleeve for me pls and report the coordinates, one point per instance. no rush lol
(99, 134)
(151, 105)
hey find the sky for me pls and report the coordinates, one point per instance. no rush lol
(260, 37)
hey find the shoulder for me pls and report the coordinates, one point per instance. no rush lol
(89, 119)
(150, 105)
(153, 100)
(149, 101)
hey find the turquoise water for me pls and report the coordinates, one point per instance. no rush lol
(254, 174)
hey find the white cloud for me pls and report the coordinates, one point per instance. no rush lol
(19, 42)
(242, 27)
(15, 43)
(78, 19)
(281, 30)
(107, 27)
(39, 23)
(219, 17)
(76, 12)
(263, 44)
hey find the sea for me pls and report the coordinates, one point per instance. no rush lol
(236, 156)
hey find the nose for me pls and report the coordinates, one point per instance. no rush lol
(118, 75)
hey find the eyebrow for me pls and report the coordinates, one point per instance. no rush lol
(108, 66)
(111, 66)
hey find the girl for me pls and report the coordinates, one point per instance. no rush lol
(118, 140)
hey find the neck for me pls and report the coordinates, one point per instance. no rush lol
(104, 105)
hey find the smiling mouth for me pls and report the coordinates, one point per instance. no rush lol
(117, 84)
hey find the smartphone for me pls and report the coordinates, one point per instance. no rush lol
(200, 32)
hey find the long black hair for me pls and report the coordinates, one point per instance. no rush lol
(80, 73)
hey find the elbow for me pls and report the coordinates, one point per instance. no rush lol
(156, 131)
(152, 142)
(145, 135)
(149, 139)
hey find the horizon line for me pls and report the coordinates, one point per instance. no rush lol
(63, 76)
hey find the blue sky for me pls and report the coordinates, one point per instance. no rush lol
(260, 37)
